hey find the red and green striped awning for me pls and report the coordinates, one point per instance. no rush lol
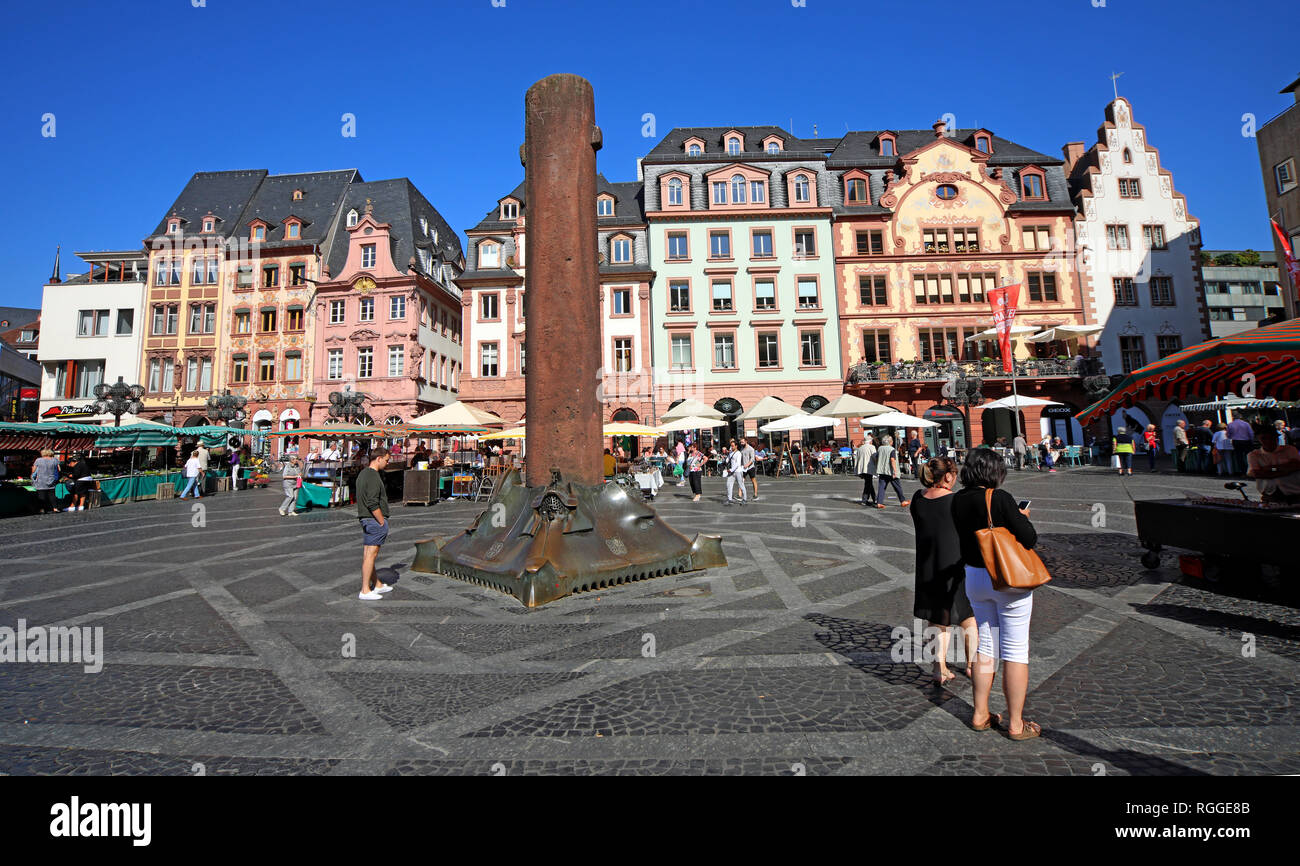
(1270, 354)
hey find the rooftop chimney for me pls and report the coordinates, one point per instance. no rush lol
(1073, 152)
(940, 129)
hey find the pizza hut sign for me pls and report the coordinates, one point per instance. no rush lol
(69, 411)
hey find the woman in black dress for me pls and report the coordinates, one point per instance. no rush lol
(940, 577)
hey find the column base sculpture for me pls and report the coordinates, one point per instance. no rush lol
(543, 543)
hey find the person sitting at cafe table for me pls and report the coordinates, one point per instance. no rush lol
(1275, 468)
(610, 464)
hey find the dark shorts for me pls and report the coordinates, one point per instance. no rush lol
(373, 535)
(81, 488)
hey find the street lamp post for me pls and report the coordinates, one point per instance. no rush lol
(347, 405)
(228, 407)
(118, 399)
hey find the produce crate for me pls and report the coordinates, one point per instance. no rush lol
(222, 485)
(166, 490)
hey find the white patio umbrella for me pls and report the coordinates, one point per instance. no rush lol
(1020, 402)
(799, 421)
(1066, 333)
(851, 406)
(770, 407)
(458, 414)
(692, 422)
(896, 419)
(694, 408)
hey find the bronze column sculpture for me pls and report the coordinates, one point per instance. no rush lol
(564, 530)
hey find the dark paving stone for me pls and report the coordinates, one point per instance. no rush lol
(411, 701)
(482, 638)
(326, 641)
(1275, 627)
(37, 761)
(745, 700)
(762, 601)
(205, 699)
(837, 585)
(1140, 677)
(1105, 562)
(668, 635)
(642, 767)
(263, 589)
(63, 607)
(181, 625)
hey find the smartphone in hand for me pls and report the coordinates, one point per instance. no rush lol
(1024, 503)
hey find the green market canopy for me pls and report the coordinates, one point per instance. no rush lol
(66, 435)
(1268, 359)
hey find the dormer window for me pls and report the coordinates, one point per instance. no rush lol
(620, 249)
(737, 189)
(692, 150)
(801, 188)
(887, 144)
(675, 191)
(352, 218)
(604, 206)
(694, 146)
(733, 146)
(259, 233)
(489, 255)
(208, 225)
(855, 190)
(983, 144)
(173, 227)
(1033, 185)
(292, 230)
(509, 209)
(772, 144)
(297, 195)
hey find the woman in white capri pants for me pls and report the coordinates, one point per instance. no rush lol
(1002, 615)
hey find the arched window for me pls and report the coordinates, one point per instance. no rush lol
(1128, 156)
(855, 191)
(982, 144)
(675, 190)
(773, 147)
(737, 189)
(693, 150)
(801, 187)
(352, 218)
(886, 147)
(733, 146)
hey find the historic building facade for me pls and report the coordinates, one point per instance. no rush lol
(1139, 248)
(387, 310)
(744, 294)
(926, 223)
(493, 298)
(1279, 159)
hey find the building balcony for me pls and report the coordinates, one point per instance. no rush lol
(925, 371)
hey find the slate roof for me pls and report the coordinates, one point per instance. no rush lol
(17, 317)
(671, 147)
(398, 203)
(861, 149)
(273, 203)
(629, 206)
(225, 193)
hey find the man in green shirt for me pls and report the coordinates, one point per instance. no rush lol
(372, 511)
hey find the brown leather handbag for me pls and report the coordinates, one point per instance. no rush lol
(1010, 564)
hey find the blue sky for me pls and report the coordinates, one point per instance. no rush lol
(146, 93)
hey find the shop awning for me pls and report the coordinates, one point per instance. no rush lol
(1266, 360)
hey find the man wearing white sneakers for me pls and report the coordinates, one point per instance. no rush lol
(372, 511)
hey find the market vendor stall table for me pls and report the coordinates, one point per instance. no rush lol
(1239, 534)
(315, 495)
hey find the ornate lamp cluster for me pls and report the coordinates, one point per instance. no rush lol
(228, 407)
(118, 399)
(347, 404)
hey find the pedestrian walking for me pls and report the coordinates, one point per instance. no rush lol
(1001, 615)
(864, 466)
(1243, 440)
(291, 480)
(1223, 450)
(694, 470)
(734, 471)
(913, 449)
(1122, 446)
(1019, 448)
(372, 512)
(940, 598)
(1181, 442)
(195, 475)
(234, 469)
(45, 475)
(205, 457)
(749, 464)
(1152, 440)
(887, 472)
(82, 481)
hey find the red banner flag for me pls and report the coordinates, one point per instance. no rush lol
(1292, 266)
(1004, 300)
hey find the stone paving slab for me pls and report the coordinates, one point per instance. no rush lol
(225, 647)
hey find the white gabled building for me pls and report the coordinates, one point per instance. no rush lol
(91, 327)
(1139, 245)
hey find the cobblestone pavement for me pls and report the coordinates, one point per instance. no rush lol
(225, 650)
